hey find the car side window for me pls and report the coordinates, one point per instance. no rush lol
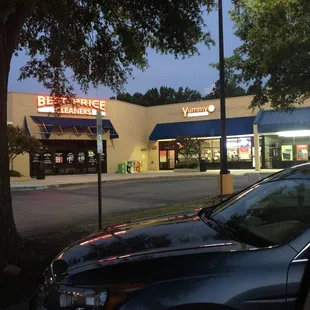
(277, 211)
(305, 253)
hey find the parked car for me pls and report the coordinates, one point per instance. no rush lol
(248, 252)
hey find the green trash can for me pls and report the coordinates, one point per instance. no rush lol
(123, 168)
(119, 168)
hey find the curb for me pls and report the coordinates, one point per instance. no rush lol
(134, 180)
(120, 181)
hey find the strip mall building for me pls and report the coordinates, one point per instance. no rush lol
(147, 134)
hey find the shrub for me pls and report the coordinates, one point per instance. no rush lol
(14, 173)
(187, 165)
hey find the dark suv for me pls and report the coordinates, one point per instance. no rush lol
(248, 252)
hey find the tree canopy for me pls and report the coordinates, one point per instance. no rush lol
(188, 147)
(20, 142)
(91, 43)
(163, 95)
(233, 88)
(168, 95)
(274, 57)
(101, 41)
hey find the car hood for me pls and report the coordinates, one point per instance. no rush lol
(175, 232)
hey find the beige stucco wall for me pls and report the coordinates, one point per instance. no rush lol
(133, 123)
(235, 107)
(9, 111)
(128, 120)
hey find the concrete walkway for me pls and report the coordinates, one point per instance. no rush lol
(71, 180)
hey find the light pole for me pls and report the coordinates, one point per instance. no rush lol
(225, 179)
(223, 148)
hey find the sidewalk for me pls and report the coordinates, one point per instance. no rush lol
(71, 180)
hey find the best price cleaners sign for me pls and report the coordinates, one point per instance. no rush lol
(79, 106)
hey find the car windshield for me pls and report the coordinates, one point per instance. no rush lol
(275, 210)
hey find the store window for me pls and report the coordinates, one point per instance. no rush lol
(239, 149)
(70, 158)
(59, 163)
(92, 162)
(59, 158)
(167, 145)
(282, 152)
(210, 150)
(81, 157)
(232, 150)
(48, 162)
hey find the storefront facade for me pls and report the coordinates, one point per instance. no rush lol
(69, 138)
(147, 135)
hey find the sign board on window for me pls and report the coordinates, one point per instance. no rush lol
(47, 157)
(302, 152)
(287, 152)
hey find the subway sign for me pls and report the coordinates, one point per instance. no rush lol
(78, 106)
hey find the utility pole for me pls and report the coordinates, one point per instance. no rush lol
(223, 149)
(99, 152)
(225, 179)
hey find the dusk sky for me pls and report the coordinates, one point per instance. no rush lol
(163, 70)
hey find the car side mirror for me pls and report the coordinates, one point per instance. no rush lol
(59, 268)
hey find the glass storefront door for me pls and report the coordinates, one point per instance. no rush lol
(81, 162)
(167, 155)
(171, 159)
(167, 159)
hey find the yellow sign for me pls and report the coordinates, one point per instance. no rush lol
(287, 152)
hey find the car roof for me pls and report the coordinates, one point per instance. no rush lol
(297, 172)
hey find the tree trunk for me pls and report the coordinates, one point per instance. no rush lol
(8, 236)
(10, 28)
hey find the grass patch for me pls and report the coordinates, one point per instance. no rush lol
(40, 250)
(51, 244)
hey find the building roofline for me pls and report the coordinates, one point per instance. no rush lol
(155, 106)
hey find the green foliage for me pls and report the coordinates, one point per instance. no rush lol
(232, 81)
(14, 173)
(188, 147)
(91, 43)
(275, 53)
(163, 95)
(20, 143)
(168, 95)
(101, 41)
(193, 165)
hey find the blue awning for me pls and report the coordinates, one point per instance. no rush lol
(207, 128)
(27, 131)
(275, 121)
(79, 123)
